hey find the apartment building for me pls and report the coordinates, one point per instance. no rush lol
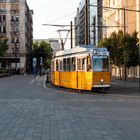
(16, 26)
(88, 22)
(122, 15)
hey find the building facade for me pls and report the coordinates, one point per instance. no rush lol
(16, 26)
(122, 15)
(88, 22)
(54, 43)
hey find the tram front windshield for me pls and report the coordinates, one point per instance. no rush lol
(100, 63)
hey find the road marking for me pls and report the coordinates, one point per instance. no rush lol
(44, 82)
(35, 79)
(114, 83)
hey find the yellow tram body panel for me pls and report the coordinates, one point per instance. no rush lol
(84, 80)
(81, 80)
(101, 79)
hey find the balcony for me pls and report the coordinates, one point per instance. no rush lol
(4, 1)
(14, 33)
(14, 1)
(14, 11)
(2, 11)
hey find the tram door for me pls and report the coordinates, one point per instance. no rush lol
(81, 68)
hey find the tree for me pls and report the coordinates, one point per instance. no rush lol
(42, 50)
(114, 46)
(131, 49)
(3, 47)
(123, 49)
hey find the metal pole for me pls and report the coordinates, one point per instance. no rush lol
(15, 57)
(139, 66)
(86, 23)
(71, 35)
(94, 30)
(124, 46)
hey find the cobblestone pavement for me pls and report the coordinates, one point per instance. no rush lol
(31, 111)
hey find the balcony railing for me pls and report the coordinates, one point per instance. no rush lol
(14, 1)
(3, 1)
(14, 33)
(2, 11)
(14, 11)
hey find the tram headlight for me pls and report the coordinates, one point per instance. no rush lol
(102, 80)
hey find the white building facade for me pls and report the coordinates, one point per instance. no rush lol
(19, 32)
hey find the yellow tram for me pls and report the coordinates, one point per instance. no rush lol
(83, 67)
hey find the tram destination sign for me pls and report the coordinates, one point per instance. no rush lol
(98, 52)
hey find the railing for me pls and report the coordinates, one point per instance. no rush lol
(14, 11)
(2, 11)
(2, 0)
(14, 1)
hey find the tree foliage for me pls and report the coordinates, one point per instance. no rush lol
(42, 50)
(3, 47)
(123, 48)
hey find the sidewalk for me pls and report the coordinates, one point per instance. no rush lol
(3, 75)
(135, 82)
(130, 87)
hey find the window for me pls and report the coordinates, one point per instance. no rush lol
(2, 6)
(13, 40)
(68, 65)
(79, 64)
(4, 17)
(12, 6)
(16, 19)
(100, 63)
(88, 63)
(73, 66)
(61, 65)
(64, 64)
(57, 65)
(15, 8)
(4, 29)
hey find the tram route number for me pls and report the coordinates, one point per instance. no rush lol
(98, 52)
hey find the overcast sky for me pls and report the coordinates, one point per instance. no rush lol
(52, 12)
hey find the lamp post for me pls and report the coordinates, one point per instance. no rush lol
(15, 51)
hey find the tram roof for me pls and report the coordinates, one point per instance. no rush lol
(77, 49)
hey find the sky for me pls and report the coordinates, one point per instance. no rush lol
(52, 12)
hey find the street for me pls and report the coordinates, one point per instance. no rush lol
(32, 110)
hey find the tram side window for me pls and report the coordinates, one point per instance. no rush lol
(73, 64)
(64, 64)
(68, 64)
(57, 65)
(61, 65)
(79, 62)
(83, 63)
(88, 63)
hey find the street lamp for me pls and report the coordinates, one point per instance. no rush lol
(15, 50)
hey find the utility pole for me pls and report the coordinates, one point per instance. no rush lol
(71, 35)
(15, 51)
(94, 30)
(86, 23)
(125, 72)
(63, 43)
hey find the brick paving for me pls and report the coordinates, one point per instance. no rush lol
(30, 111)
